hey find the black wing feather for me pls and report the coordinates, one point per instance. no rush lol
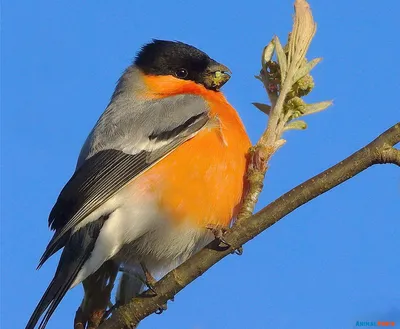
(76, 252)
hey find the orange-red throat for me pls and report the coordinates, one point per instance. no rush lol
(203, 180)
(158, 86)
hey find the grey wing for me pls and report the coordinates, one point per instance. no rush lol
(132, 125)
(112, 162)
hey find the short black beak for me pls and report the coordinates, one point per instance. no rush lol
(216, 75)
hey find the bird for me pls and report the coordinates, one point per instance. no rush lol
(163, 168)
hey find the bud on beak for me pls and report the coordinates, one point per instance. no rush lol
(216, 75)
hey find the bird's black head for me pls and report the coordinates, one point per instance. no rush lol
(182, 61)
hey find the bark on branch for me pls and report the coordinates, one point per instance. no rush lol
(380, 151)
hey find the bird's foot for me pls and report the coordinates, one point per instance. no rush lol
(238, 251)
(111, 308)
(162, 308)
(219, 233)
(149, 279)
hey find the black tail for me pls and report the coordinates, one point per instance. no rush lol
(75, 254)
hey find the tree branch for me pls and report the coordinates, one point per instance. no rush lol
(286, 79)
(379, 151)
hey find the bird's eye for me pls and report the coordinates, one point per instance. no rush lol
(181, 73)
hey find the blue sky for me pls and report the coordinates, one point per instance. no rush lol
(327, 265)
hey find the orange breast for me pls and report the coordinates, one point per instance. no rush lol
(202, 180)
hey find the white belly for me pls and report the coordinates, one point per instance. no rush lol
(164, 248)
(138, 231)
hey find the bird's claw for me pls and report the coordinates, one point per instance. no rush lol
(149, 279)
(164, 307)
(238, 251)
(111, 308)
(161, 309)
(219, 233)
(150, 286)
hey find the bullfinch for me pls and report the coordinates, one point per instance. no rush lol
(165, 162)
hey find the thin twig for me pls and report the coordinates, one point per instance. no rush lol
(304, 29)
